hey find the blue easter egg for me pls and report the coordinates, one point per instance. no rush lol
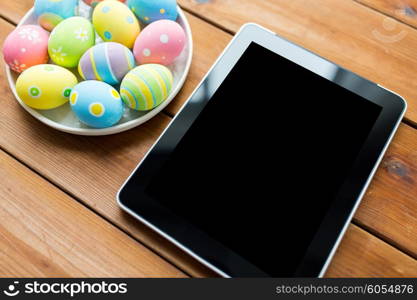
(52, 12)
(96, 104)
(149, 11)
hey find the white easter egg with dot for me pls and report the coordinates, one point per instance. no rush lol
(161, 42)
(96, 104)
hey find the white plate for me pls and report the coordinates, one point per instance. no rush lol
(63, 118)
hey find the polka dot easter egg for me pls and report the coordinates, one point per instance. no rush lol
(114, 22)
(25, 47)
(108, 62)
(51, 12)
(146, 87)
(70, 40)
(45, 86)
(93, 3)
(96, 104)
(160, 42)
(149, 11)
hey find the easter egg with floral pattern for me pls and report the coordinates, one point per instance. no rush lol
(25, 47)
(70, 40)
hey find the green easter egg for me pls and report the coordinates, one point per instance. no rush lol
(146, 87)
(70, 40)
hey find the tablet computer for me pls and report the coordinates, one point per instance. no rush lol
(261, 171)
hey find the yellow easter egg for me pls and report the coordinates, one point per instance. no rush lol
(45, 86)
(115, 22)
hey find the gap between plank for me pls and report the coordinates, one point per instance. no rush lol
(10, 21)
(409, 123)
(231, 32)
(384, 238)
(384, 14)
(207, 20)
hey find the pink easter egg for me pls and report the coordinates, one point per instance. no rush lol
(25, 47)
(161, 42)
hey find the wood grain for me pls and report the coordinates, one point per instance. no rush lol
(45, 233)
(402, 10)
(14, 10)
(369, 257)
(63, 159)
(342, 31)
(389, 207)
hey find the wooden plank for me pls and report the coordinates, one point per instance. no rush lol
(389, 207)
(371, 257)
(402, 10)
(14, 10)
(46, 233)
(62, 159)
(343, 31)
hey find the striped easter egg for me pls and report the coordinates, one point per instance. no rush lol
(146, 87)
(108, 62)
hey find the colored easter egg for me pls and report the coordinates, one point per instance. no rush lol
(108, 62)
(45, 86)
(149, 11)
(51, 12)
(93, 3)
(25, 47)
(146, 87)
(70, 40)
(114, 22)
(160, 42)
(96, 104)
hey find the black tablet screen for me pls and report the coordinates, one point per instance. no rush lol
(262, 163)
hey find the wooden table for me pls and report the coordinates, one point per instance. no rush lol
(59, 217)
